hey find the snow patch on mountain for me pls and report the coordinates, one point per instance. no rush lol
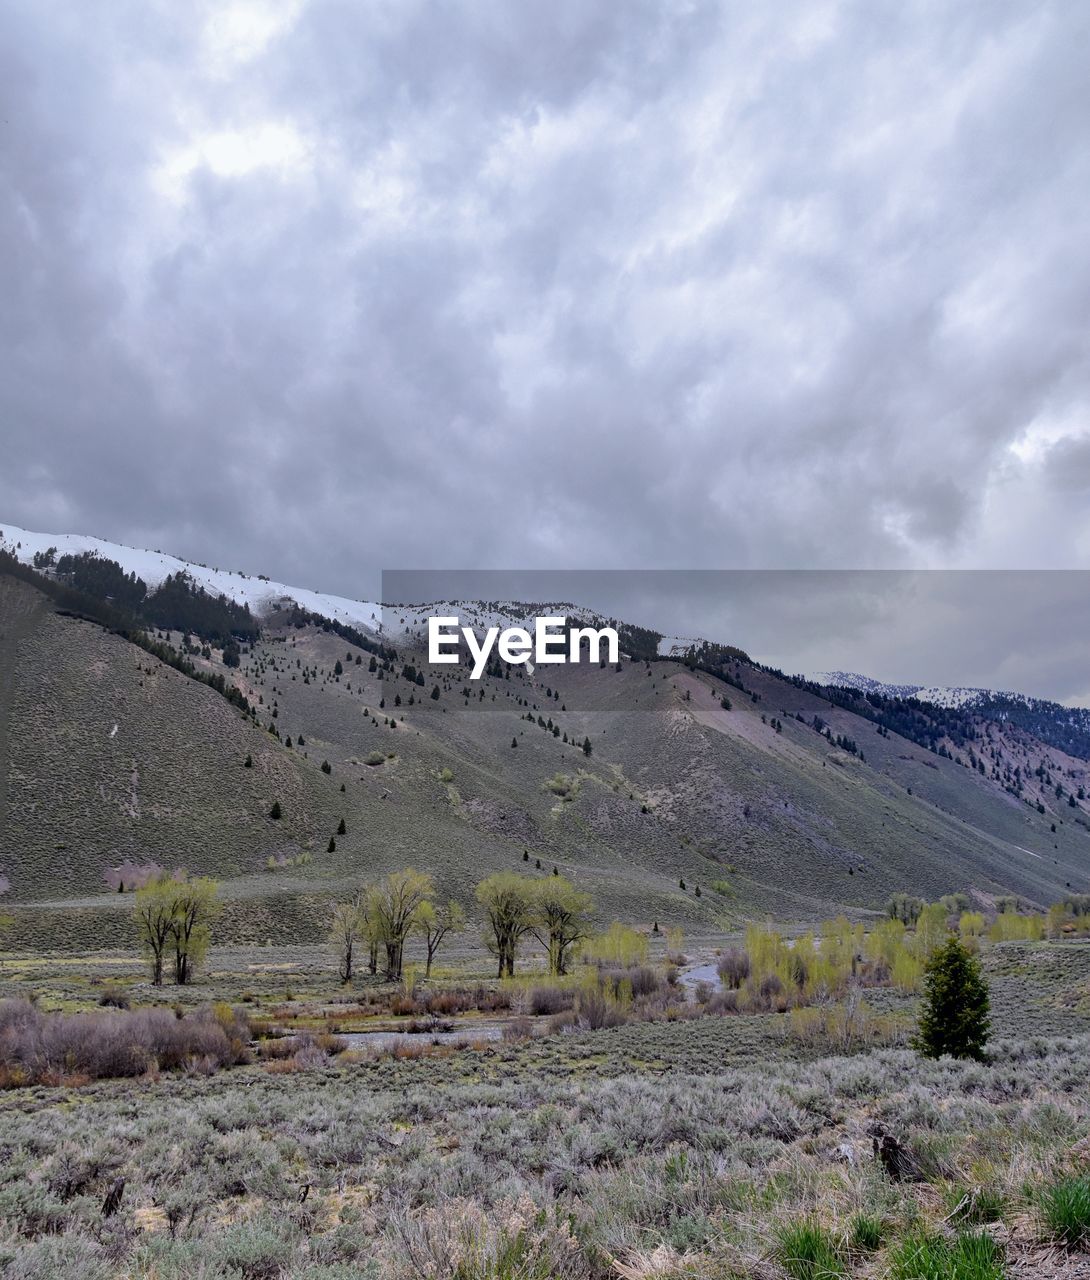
(153, 567)
(853, 680)
(939, 695)
(677, 646)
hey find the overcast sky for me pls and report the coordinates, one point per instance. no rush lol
(317, 288)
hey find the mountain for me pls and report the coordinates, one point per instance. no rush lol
(1066, 728)
(122, 748)
(154, 567)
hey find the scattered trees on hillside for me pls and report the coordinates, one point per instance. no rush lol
(173, 917)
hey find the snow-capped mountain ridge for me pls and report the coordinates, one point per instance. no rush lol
(1067, 728)
(153, 567)
(263, 595)
(938, 695)
(410, 621)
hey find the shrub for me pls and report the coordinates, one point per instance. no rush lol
(733, 967)
(114, 1044)
(1065, 1209)
(618, 945)
(596, 1010)
(847, 1027)
(549, 1000)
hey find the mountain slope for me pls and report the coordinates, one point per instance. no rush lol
(1066, 728)
(757, 805)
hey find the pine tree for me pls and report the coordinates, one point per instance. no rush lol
(514, 742)
(586, 746)
(341, 828)
(954, 1010)
(326, 767)
(275, 811)
(332, 846)
(248, 763)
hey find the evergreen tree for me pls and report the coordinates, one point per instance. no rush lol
(586, 746)
(514, 742)
(275, 811)
(341, 828)
(332, 846)
(248, 763)
(954, 1011)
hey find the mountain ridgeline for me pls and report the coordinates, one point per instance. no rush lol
(295, 756)
(958, 710)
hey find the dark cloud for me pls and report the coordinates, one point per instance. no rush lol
(312, 289)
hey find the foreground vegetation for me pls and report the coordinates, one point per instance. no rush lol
(768, 1113)
(494, 1164)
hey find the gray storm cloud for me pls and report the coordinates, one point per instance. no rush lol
(307, 287)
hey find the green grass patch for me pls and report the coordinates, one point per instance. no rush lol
(933, 1257)
(807, 1251)
(1065, 1210)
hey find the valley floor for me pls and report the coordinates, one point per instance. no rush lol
(711, 1147)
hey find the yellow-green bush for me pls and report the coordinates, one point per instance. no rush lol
(620, 944)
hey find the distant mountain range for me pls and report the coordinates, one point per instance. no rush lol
(1067, 728)
(295, 744)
